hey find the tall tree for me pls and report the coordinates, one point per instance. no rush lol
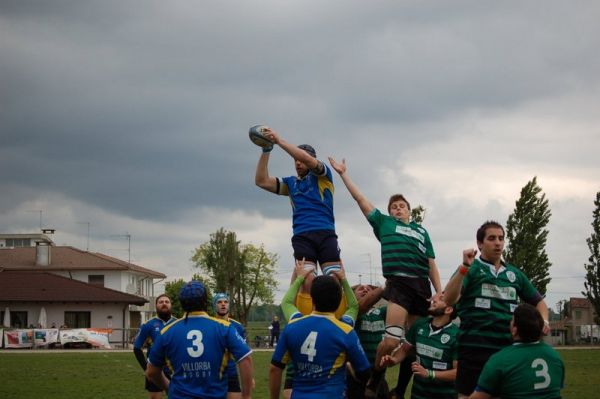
(527, 235)
(592, 275)
(245, 272)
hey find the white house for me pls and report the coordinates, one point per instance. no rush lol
(93, 270)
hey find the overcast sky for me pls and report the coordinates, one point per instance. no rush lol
(133, 116)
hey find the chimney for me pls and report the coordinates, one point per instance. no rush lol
(42, 254)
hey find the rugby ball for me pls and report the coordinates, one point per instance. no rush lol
(256, 136)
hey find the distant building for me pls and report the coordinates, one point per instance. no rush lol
(105, 283)
(577, 325)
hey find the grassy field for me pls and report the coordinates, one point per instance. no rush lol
(117, 375)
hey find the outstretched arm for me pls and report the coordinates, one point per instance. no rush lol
(434, 276)
(297, 153)
(352, 310)
(262, 178)
(397, 355)
(363, 203)
(288, 302)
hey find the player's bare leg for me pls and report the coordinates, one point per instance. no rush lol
(395, 321)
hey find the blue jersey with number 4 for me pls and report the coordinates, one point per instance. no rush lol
(197, 349)
(318, 345)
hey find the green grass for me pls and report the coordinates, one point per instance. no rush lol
(117, 375)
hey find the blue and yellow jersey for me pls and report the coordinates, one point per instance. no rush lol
(312, 201)
(231, 368)
(149, 331)
(197, 349)
(318, 345)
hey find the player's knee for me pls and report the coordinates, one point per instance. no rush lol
(393, 335)
(331, 269)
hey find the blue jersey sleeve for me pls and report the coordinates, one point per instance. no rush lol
(157, 355)
(356, 353)
(236, 344)
(279, 356)
(142, 336)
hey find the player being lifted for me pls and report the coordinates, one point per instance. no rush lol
(311, 196)
(408, 265)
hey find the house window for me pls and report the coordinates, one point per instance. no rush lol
(18, 242)
(17, 319)
(578, 315)
(78, 319)
(96, 279)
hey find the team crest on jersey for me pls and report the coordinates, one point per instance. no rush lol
(511, 276)
(445, 338)
(420, 332)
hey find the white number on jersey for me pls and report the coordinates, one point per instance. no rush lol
(308, 346)
(197, 348)
(542, 373)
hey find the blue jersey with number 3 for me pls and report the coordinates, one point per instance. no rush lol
(318, 345)
(197, 350)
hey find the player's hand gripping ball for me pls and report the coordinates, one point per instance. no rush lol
(257, 137)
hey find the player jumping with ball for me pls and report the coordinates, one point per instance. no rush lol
(311, 196)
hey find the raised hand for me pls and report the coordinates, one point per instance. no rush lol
(469, 256)
(337, 166)
(301, 269)
(271, 135)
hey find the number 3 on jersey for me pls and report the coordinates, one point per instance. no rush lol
(308, 347)
(197, 348)
(542, 373)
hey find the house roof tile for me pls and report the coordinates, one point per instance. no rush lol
(67, 258)
(35, 286)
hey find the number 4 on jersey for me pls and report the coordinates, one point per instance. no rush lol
(309, 346)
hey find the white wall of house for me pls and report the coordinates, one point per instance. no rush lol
(105, 315)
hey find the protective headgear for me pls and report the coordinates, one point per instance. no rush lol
(218, 296)
(309, 149)
(192, 295)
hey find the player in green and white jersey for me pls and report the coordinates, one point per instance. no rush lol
(434, 339)
(408, 264)
(528, 369)
(370, 327)
(487, 291)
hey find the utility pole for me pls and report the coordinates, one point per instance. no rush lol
(370, 264)
(40, 211)
(128, 236)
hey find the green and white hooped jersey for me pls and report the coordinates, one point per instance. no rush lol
(531, 371)
(370, 328)
(436, 350)
(405, 248)
(488, 300)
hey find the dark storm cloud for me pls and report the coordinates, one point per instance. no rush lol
(142, 107)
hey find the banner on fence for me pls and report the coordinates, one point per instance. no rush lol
(18, 338)
(97, 337)
(45, 336)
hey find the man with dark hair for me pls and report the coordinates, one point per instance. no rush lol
(311, 196)
(221, 305)
(196, 347)
(433, 339)
(528, 368)
(486, 291)
(318, 345)
(147, 335)
(290, 311)
(408, 265)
